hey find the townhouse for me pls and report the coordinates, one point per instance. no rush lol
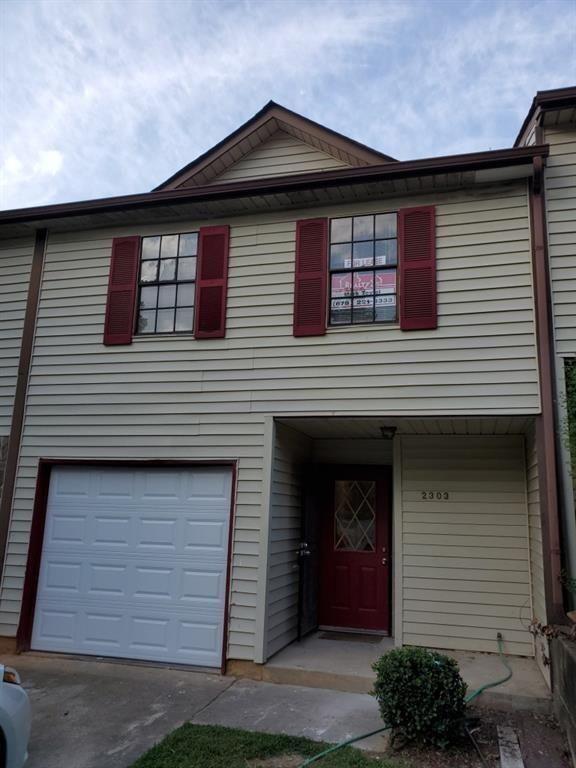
(300, 384)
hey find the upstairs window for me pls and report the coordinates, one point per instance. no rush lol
(167, 283)
(363, 260)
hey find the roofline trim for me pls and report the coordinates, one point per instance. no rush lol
(271, 110)
(556, 98)
(280, 184)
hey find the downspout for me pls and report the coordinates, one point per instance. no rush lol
(18, 408)
(546, 420)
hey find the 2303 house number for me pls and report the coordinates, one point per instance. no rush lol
(435, 495)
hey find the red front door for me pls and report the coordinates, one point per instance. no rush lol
(355, 567)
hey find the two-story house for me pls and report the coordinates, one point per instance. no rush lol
(300, 384)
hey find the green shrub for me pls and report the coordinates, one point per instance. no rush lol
(421, 696)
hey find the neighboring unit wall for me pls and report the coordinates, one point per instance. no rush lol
(15, 264)
(561, 215)
(172, 397)
(465, 559)
(292, 450)
(561, 221)
(281, 155)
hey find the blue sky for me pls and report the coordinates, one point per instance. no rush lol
(105, 98)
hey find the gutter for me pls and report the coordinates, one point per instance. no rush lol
(475, 161)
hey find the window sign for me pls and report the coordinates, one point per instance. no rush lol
(363, 259)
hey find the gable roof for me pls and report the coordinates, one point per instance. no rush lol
(255, 131)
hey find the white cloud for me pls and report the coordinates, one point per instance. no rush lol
(49, 162)
(102, 98)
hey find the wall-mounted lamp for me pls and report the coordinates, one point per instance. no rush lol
(387, 432)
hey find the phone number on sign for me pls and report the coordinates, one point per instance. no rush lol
(364, 301)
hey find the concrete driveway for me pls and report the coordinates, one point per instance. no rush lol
(95, 714)
(91, 714)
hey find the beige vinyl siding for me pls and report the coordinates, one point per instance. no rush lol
(530, 139)
(281, 155)
(292, 450)
(561, 215)
(15, 264)
(465, 560)
(535, 529)
(536, 551)
(174, 397)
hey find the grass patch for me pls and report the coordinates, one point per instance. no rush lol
(212, 746)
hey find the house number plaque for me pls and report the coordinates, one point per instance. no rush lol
(435, 495)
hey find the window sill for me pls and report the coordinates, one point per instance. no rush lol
(365, 326)
(151, 336)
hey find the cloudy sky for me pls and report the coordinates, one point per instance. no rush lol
(106, 97)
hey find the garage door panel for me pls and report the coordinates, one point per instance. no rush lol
(111, 530)
(198, 638)
(191, 583)
(67, 529)
(139, 557)
(102, 631)
(63, 577)
(131, 527)
(113, 484)
(57, 627)
(202, 484)
(203, 534)
(106, 580)
(164, 484)
(72, 484)
(201, 586)
(157, 635)
(157, 533)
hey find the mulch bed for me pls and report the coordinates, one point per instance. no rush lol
(542, 744)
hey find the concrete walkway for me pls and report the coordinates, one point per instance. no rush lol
(91, 714)
(343, 662)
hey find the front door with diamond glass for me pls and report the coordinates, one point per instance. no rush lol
(355, 572)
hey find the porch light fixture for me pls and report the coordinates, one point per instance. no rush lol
(387, 432)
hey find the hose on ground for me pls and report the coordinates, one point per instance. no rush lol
(504, 679)
(468, 699)
(342, 744)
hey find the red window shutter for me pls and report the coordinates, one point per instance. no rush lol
(122, 286)
(310, 277)
(417, 263)
(212, 282)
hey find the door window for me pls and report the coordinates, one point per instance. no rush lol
(354, 516)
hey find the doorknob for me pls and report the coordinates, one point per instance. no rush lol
(303, 549)
(384, 561)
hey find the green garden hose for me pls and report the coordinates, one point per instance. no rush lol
(504, 679)
(342, 744)
(468, 699)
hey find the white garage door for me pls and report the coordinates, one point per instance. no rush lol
(134, 563)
